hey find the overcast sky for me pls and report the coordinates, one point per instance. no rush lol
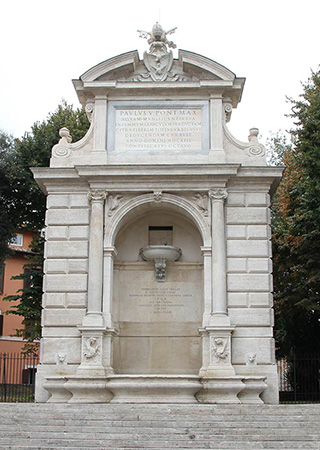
(44, 44)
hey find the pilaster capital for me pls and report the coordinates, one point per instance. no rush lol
(218, 195)
(206, 251)
(97, 195)
(110, 251)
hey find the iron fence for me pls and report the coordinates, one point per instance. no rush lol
(17, 377)
(299, 379)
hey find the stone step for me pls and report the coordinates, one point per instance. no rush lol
(174, 429)
(146, 411)
(116, 445)
(155, 427)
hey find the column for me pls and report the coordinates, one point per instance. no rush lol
(216, 334)
(207, 285)
(95, 276)
(109, 254)
(108, 258)
(219, 262)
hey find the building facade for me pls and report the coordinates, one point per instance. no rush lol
(158, 256)
(13, 266)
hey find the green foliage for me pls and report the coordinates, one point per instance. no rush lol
(277, 146)
(34, 150)
(23, 203)
(296, 230)
(6, 204)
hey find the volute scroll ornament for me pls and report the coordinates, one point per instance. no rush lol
(62, 149)
(255, 148)
(89, 108)
(228, 111)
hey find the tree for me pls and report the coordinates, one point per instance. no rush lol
(296, 230)
(6, 204)
(34, 150)
(24, 202)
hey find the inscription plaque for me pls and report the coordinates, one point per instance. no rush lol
(158, 129)
(161, 300)
(178, 300)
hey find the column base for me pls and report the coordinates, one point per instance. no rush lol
(220, 390)
(155, 389)
(56, 387)
(254, 386)
(88, 390)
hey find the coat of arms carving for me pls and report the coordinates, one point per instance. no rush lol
(158, 60)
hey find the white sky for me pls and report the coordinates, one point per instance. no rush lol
(44, 44)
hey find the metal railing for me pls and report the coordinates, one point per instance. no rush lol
(299, 379)
(17, 377)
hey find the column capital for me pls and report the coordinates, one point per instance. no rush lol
(218, 195)
(97, 195)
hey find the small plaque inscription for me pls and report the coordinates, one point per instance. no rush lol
(158, 129)
(162, 300)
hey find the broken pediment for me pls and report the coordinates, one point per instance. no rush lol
(190, 70)
(180, 72)
(127, 67)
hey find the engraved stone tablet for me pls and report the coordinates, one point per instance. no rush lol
(158, 129)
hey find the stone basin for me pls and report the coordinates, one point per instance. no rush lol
(167, 252)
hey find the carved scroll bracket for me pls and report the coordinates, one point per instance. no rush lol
(255, 148)
(63, 148)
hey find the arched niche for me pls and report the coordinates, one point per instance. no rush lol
(157, 321)
(144, 203)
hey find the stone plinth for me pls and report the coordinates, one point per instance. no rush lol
(153, 388)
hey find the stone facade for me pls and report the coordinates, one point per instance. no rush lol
(158, 166)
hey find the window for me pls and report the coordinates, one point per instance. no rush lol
(29, 375)
(27, 281)
(160, 235)
(17, 239)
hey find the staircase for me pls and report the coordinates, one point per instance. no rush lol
(158, 427)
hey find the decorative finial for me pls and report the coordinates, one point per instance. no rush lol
(253, 135)
(65, 135)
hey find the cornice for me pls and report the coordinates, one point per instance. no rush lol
(138, 178)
